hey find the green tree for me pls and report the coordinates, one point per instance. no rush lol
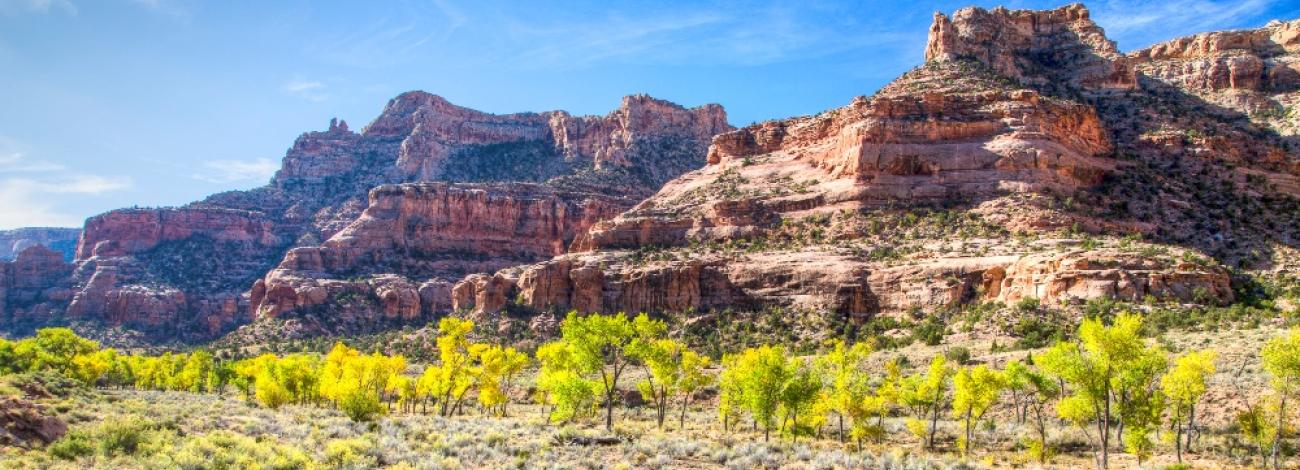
(52, 349)
(1140, 400)
(975, 391)
(731, 393)
(1184, 386)
(600, 346)
(693, 378)
(8, 357)
(455, 366)
(799, 395)
(90, 368)
(662, 361)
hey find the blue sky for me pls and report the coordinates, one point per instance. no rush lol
(114, 103)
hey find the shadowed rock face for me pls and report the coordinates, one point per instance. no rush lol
(186, 271)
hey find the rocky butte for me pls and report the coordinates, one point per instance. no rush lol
(426, 193)
(1027, 158)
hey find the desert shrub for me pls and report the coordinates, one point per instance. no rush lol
(46, 382)
(121, 437)
(350, 453)
(958, 354)
(222, 450)
(1027, 304)
(930, 331)
(72, 446)
(1101, 307)
(1035, 332)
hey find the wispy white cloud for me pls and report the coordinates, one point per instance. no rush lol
(1140, 23)
(41, 7)
(26, 202)
(234, 171)
(395, 36)
(16, 162)
(306, 89)
(727, 35)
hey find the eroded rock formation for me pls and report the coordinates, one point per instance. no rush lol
(34, 285)
(947, 131)
(837, 284)
(531, 183)
(432, 231)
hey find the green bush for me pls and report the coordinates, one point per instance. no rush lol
(47, 382)
(1027, 304)
(72, 446)
(930, 331)
(221, 450)
(1035, 332)
(958, 354)
(121, 437)
(361, 406)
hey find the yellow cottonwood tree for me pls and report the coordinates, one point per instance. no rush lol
(926, 395)
(975, 391)
(499, 367)
(1281, 358)
(1184, 386)
(847, 382)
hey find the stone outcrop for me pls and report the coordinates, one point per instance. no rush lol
(1037, 47)
(432, 231)
(947, 131)
(24, 424)
(129, 231)
(1263, 59)
(62, 240)
(837, 284)
(1254, 72)
(432, 130)
(33, 286)
(170, 269)
(1062, 278)
(198, 270)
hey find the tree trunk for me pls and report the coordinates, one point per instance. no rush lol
(841, 419)
(609, 409)
(1191, 426)
(1281, 426)
(682, 424)
(1042, 433)
(1178, 435)
(965, 451)
(934, 424)
(794, 431)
